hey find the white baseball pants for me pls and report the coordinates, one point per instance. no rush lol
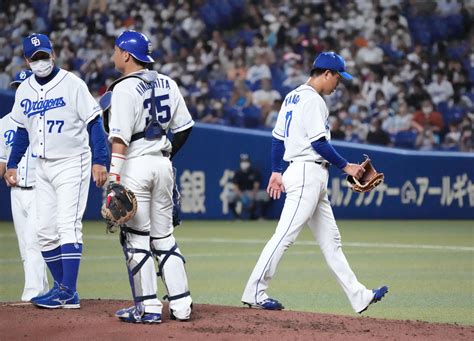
(62, 186)
(151, 178)
(24, 219)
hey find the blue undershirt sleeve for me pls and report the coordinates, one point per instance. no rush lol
(21, 142)
(98, 142)
(278, 150)
(327, 151)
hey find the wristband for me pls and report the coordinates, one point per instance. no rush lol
(116, 164)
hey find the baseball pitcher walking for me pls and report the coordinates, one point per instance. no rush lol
(301, 137)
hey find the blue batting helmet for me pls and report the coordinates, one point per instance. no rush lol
(137, 44)
(21, 76)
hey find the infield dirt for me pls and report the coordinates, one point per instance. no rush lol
(95, 320)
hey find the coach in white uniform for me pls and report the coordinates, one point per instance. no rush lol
(55, 113)
(145, 105)
(301, 137)
(24, 207)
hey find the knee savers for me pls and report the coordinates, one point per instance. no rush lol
(140, 265)
(171, 267)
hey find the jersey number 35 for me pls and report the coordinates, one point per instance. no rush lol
(163, 111)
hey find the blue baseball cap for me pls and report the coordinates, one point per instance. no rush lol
(36, 42)
(21, 76)
(332, 61)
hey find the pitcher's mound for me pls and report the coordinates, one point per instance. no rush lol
(95, 320)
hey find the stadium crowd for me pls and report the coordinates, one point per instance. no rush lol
(235, 60)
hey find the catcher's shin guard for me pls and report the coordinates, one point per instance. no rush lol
(140, 267)
(173, 274)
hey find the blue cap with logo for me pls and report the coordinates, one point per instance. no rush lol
(36, 42)
(21, 76)
(332, 61)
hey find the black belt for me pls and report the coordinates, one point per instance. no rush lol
(325, 164)
(141, 135)
(28, 188)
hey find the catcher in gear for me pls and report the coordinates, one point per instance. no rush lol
(143, 107)
(368, 181)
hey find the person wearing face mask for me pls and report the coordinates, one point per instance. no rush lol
(428, 116)
(56, 116)
(246, 191)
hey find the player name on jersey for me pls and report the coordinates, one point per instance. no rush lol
(161, 83)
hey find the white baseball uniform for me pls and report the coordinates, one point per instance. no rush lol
(302, 120)
(148, 172)
(56, 116)
(24, 215)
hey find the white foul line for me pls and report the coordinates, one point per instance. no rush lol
(351, 244)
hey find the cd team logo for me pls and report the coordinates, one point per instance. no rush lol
(31, 108)
(35, 41)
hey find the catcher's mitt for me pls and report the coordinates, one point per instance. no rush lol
(120, 205)
(369, 180)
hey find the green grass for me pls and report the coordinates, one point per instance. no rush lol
(426, 283)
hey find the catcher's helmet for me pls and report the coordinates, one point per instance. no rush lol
(137, 44)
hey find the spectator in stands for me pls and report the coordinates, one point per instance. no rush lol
(428, 116)
(467, 140)
(426, 140)
(401, 121)
(452, 139)
(4, 77)
(237, 70)
(272, 116)
(370, 55)
(241, 96)
(440, 88)
(215, 115)
(417, 94)
(336, 132)
(259, 70)
(265, 97)
(295, 75)
(376, 134)
(382, 111)
(448, 7)
(247, 199)
(351, 134)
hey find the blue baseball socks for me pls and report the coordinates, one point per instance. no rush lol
(63, 262)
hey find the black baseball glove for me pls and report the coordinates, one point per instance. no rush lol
(120, 205)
